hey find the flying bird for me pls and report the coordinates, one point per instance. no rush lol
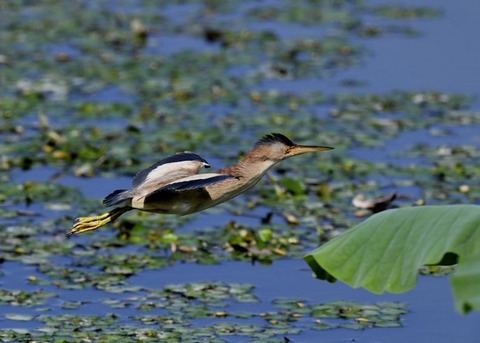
(174, 186)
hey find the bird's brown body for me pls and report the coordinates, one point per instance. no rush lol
(173, 185)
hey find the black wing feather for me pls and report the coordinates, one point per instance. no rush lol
(194, 184)
(197, 187)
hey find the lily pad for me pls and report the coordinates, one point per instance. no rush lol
(20, 317)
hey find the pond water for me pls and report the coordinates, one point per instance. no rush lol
(77, 278)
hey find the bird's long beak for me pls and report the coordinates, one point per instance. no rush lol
(303, 149)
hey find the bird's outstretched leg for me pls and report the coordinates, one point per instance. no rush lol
(84, 224)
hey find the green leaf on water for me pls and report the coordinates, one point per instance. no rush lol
(293, 186)
(20, 317)
(385, 252)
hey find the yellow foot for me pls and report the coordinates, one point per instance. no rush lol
(84, 224)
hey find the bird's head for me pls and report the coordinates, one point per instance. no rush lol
(276, 147)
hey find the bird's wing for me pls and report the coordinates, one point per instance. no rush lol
(168, 169)
(193, 182)
(187, 195)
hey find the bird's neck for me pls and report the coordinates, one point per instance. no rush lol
(249, 170)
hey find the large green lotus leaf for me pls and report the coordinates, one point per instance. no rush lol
(466, 284)
(385, 252)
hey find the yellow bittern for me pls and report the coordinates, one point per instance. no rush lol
(173, 185)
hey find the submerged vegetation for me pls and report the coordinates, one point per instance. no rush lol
(94, 91)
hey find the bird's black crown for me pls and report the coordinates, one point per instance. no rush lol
(274, 138)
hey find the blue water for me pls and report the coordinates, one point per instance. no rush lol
(431, 317)
(401, 149)
(445, 58)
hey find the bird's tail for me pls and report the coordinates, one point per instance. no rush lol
(117, 197)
